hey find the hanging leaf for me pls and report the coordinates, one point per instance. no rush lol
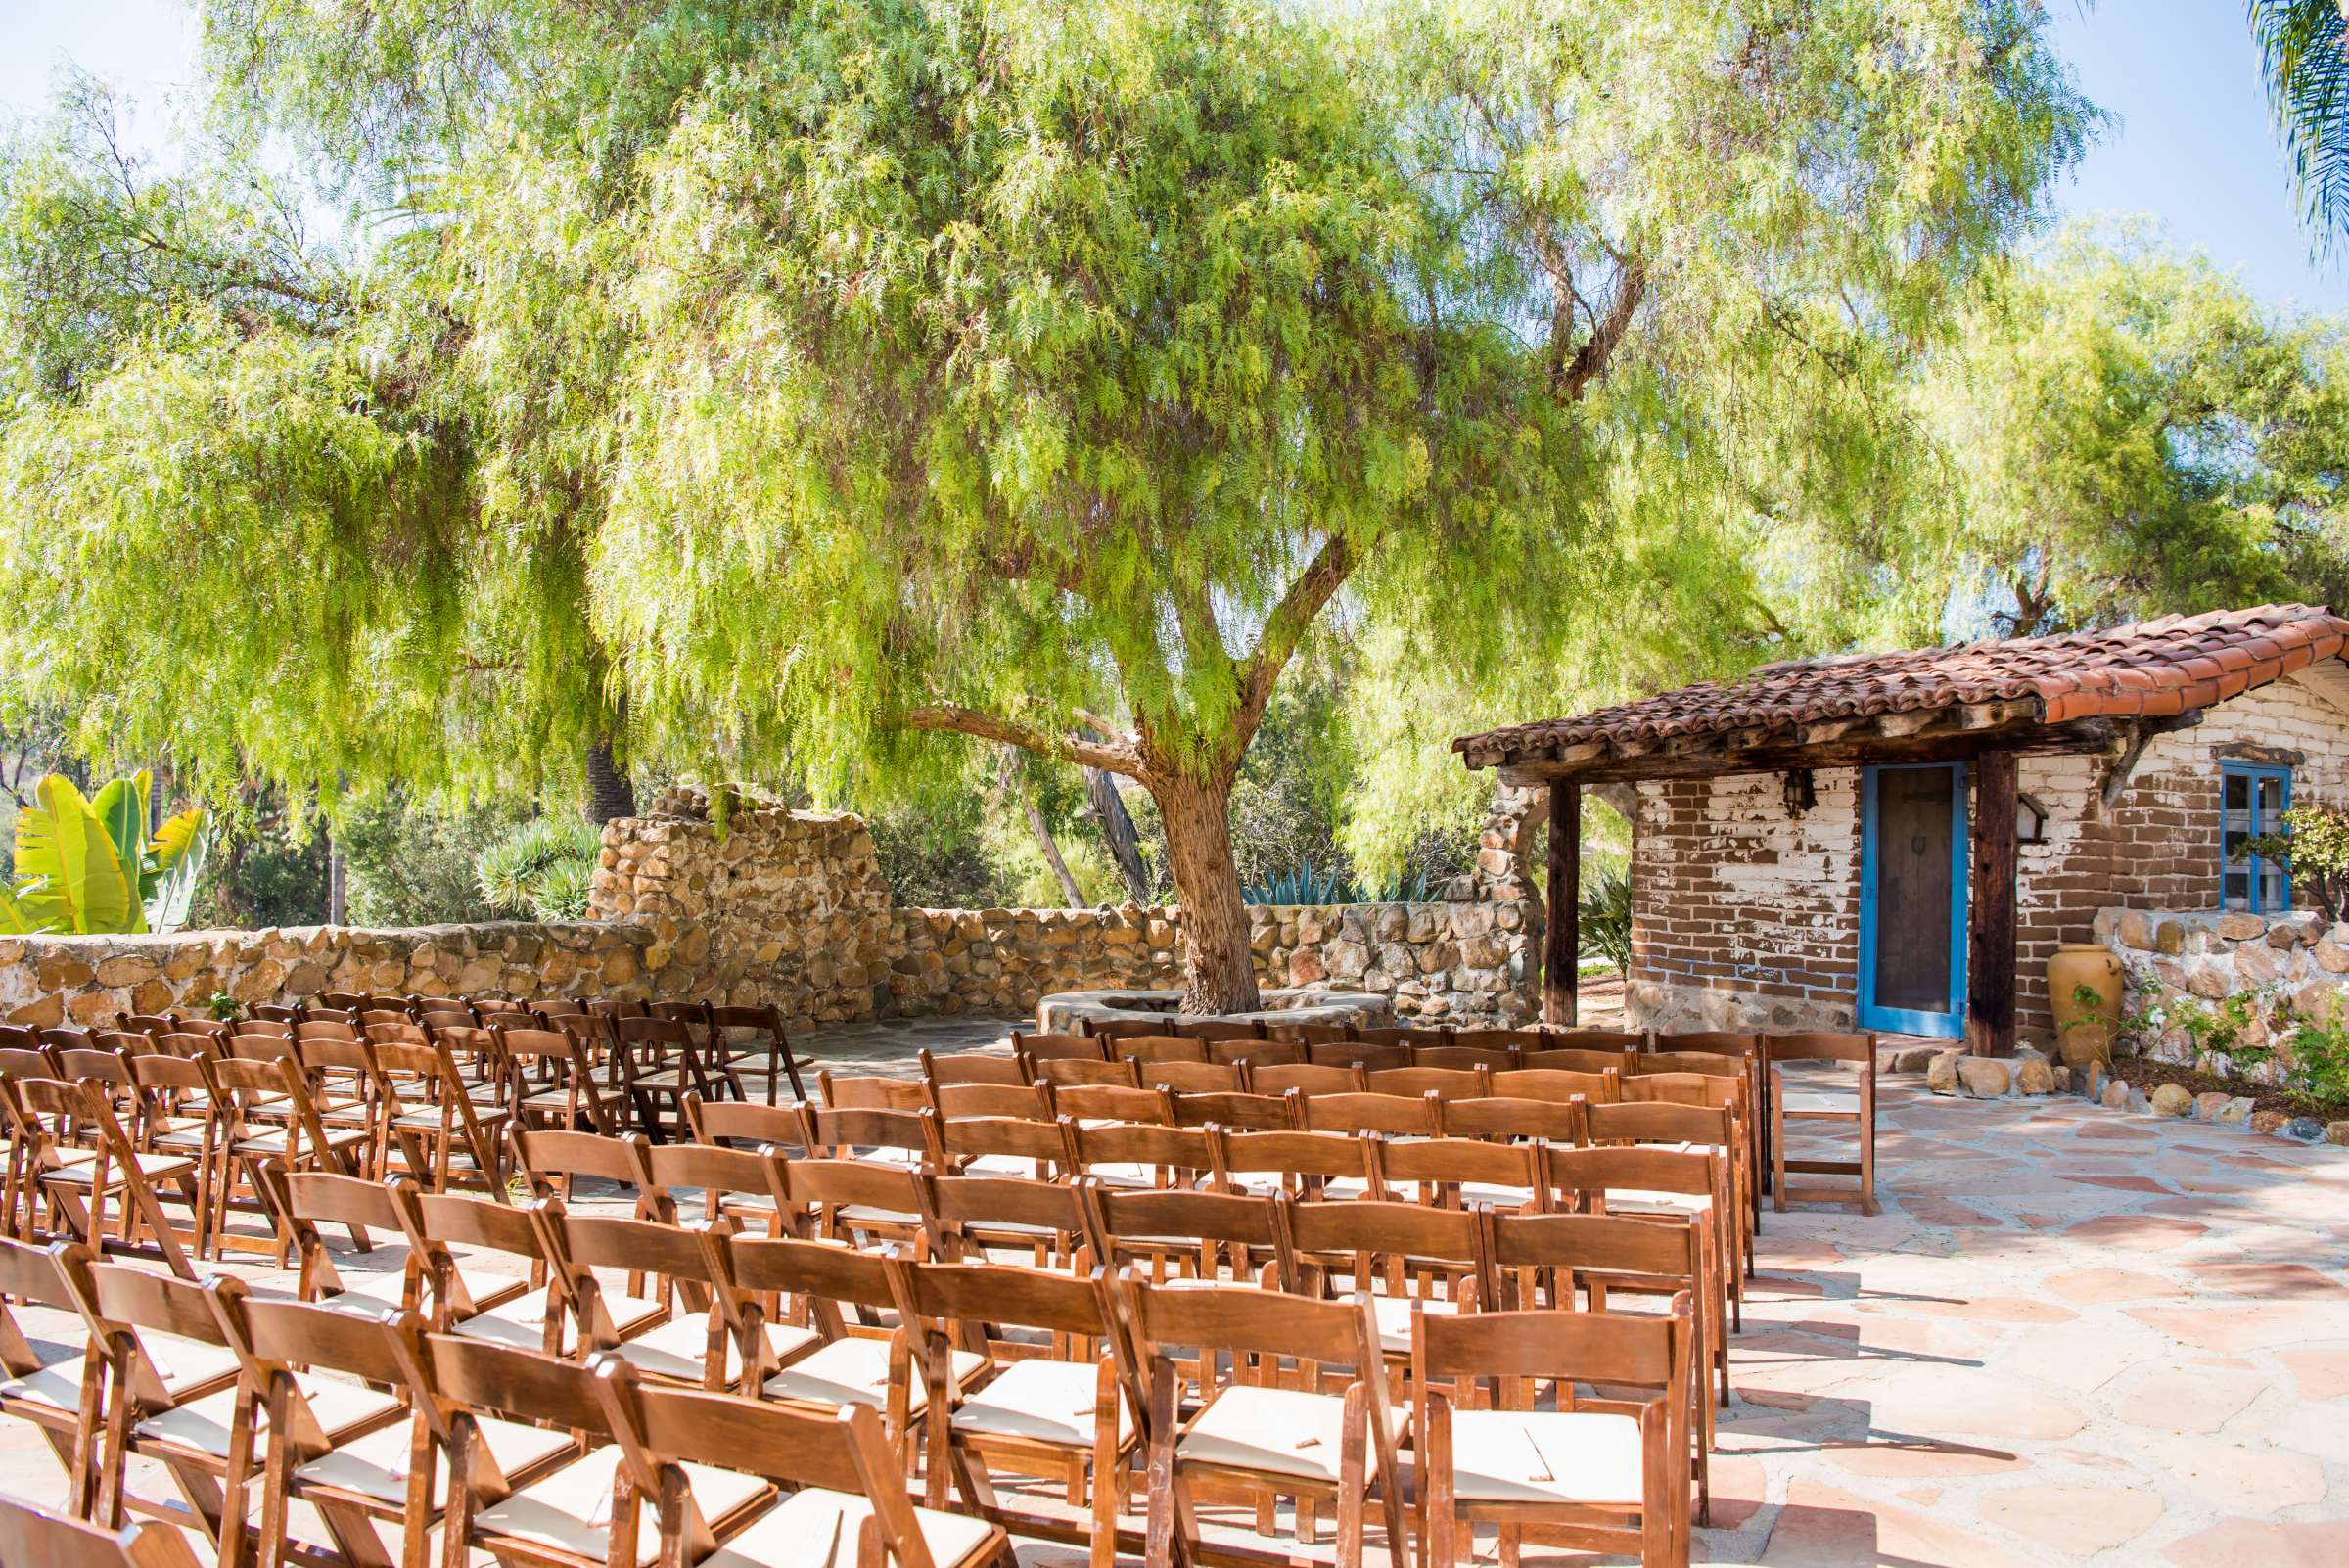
(15, 919)
(121, 808)
(180, 847)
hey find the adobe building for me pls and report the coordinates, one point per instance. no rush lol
(1898, 842)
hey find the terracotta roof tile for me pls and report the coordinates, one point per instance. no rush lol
(2155, 667)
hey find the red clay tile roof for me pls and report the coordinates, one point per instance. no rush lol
(2152, 668)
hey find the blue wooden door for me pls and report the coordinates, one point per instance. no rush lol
(1912, 898)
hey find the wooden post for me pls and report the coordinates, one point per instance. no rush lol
(1561, 942)
(1989, 928)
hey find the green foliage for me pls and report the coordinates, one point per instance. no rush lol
(2130, 434)
(271, 871)
(1603, 917)
(541, 869)
(410, 863)
(2319, 1059)
(90, 866)
(2304, 48)
(2314, 845)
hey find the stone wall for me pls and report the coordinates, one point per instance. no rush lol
(2182, 965)
(46, 981)
(788, 907)
(1747, 916)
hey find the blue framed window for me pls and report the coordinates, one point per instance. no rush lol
(2252, 801)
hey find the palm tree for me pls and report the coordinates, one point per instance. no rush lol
(2301, 45)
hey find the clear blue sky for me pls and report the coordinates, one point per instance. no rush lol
(2192, 145)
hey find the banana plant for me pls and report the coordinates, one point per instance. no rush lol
(88, 866)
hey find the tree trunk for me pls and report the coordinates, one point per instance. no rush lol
(1221, 966)
(1117, 828)
(609, 793)
(1071, 893)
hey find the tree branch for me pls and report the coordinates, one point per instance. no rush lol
(955, 718)
(1285, 629)
(1631, 286)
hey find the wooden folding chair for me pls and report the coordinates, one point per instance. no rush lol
(855, 1202)
(746, 1188)
(181, 1117)
(747, 1126)
(1451, 1083)
(1199, 1236)
(1233, 1109)
(308, 1199)
(552, 1160)
(851, 1362)
(582, 1514)
(1308, 1164)
(1256, 1052)
(848, 1509)
(1067, 1408)
(1264, 1432)
(1804, 1097)
(1451, 1172)
(1191, 1077)
(553, 1084)
(1001, 1145)
(1137, 1154)
(62, 1398)
(350, 1472)
(207, 1441)
(1018, 1101)
(443, 1132)
(1586, 1261)
(77, 1183)
(1305, 1078)
(1033, 1046)
(525, 1312)
(765, 1056)
(1144, 1050)
(1659, 1187)
(1360, 1111)
(971, 1216)
(268, 1118)
(1600, 1474)
(706, 1336)
(1405, 1257)
(1560, 1085)
(31, 1533)
(660, 1064)
(971, 1067)
(1722, 1094)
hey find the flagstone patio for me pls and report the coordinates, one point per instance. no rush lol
(2072, 1336)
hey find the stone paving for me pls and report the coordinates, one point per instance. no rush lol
(2072, 1336)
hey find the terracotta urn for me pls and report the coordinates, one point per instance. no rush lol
(2084, 1033)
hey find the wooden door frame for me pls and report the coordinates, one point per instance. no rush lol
(1901, 1019)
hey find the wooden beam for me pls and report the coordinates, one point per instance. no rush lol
(2086, 735)
(1561, 939)
(1989, 930)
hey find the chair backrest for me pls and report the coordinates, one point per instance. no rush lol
(1707, 1041)
(719, 1172)
(579, 1244)
(1304, 1078)
(1605, 1349)
(843, 1275)
(144, 1298)
(310, 1029)
(840, 1132)
(870, 1092)
(662, 1427)
(1082, 1072)
(32, 1534)
(1394, 1243)
(30, 1274)
(1657, 1122)
(1822, 1047)
(1043, 1047)
(1021, 1100)
(1177, 1149)
(1108, 1102)
(833, 1185)
(28, 1061)
(1112, 1030)
(106, 1065)
(962, 1203)
(1309, 1035)
(1594, 1243)
(1217, 1028)
(1264, 1112)
(1404, 1035)
(471, 1375)
(1684, 1088)
(1600, 1170)
(1613, 1041)
(68, 1038)
(441, 1217)
(1508, 1117)
(1148, 1050)
(1452, 1083)
(1314, 1157)
(1370, 1056)
(1192, 1078)
(1409, 1114)
(1261, 1326)
(1572, 1059)
(1444, 1164)
(1559, 1086)
(553, 1153)
(1252, 1052)
(735, 1122)
(1014, 1137)
(1227, 1218)
(971, 1067)
(1489, 1059)
(1711, 1064)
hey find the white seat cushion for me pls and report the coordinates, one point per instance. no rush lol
(153, 1167)
(856, 1371)
(1002, 1165)
(1546, 1456)
(1496, 1197)
(185, 1364)
(377, 1465)
(1638, 1200)
(1820, 1102)
(521, 1322)
(1052, 1402)
(1284, 1431)
(204, 1424)
(815, 1528)
(57, 1386)
(571, 1510)
(679, 1348)
(858, 1215)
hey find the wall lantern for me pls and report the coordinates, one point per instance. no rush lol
(2030, 820)
(1799, 795)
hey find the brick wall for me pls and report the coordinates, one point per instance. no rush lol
(1744, 916)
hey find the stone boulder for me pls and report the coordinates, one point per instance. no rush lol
(1985, 1078)
(2173, 1099)
(2033, 1076)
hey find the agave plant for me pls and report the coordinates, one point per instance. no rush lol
(542, 868)
(1302, 885)
(89, 867)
